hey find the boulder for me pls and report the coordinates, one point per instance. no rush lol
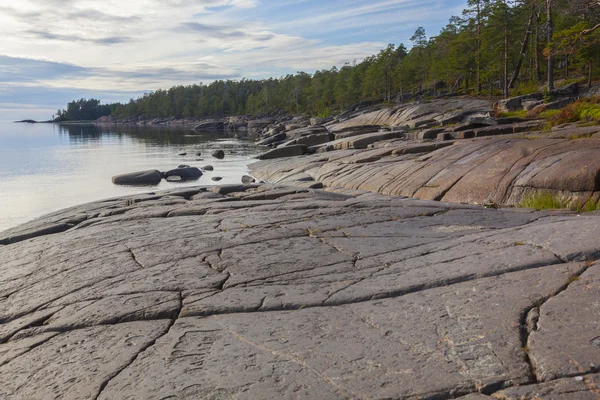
(186, 174)
(531, 104)
(272, 139)
(216, 178)
(211, 124)
(150, 177)
(481, 120)
(310, 140)
(248, 179)
(288, 151)
(320, 121)
(207, 168)
(557, 105)
(569, 90)
(220, 154)
(516, 103)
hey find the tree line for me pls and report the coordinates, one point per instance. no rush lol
(496, 47)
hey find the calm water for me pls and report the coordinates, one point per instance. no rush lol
(45, 167)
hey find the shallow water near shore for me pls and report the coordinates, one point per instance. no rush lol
(47, 167)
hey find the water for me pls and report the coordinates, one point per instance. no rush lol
(46, 167)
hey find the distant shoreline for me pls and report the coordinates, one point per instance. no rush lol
(31, 121)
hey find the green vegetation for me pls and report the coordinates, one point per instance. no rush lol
(84, 109)
(586, 110)
(496, 47)
(544, 200)
(512, 114)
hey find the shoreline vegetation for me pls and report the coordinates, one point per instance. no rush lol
(494, 49)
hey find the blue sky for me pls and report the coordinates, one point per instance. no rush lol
(54, 51)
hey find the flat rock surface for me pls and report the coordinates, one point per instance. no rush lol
(287, 292)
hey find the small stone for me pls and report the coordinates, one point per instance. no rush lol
(216, 178)
(207, 168)
(182, 154)
(248, 179)
(220, 154)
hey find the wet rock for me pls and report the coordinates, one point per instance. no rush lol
(216, 178)
(188, 173)
(212, 124)
(151, 177)
(207, 168)
(182, 154)
(220, 154)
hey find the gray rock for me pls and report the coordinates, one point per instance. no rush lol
(558, 104)
(208, 168)
(573, 388)
(515, 103)
(567, 339)
(248, 179)
(288, 151)
(272, 291)
(151, 177)
(568, 90)
(220, 154)
(278, 137)
(210, 124)
(186, 173)
(216, 178)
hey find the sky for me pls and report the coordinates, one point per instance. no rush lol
(55, 51)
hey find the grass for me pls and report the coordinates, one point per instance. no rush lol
(544, 200)
(512, 114)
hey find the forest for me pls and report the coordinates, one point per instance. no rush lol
(495, 48)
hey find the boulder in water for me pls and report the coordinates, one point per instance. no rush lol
(220, 154)
(150, 177)
(186, 174)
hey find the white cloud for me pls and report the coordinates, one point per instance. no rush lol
(142, 45)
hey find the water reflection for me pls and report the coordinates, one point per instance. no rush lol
(157, 135)
(47, 167)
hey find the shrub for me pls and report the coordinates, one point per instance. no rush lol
(587, 109)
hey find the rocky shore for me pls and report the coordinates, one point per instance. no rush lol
(447, 150)
(269, 291)
(362, 270)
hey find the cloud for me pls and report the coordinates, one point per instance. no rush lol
(88, 46)
(109, 40)
(19, 69)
